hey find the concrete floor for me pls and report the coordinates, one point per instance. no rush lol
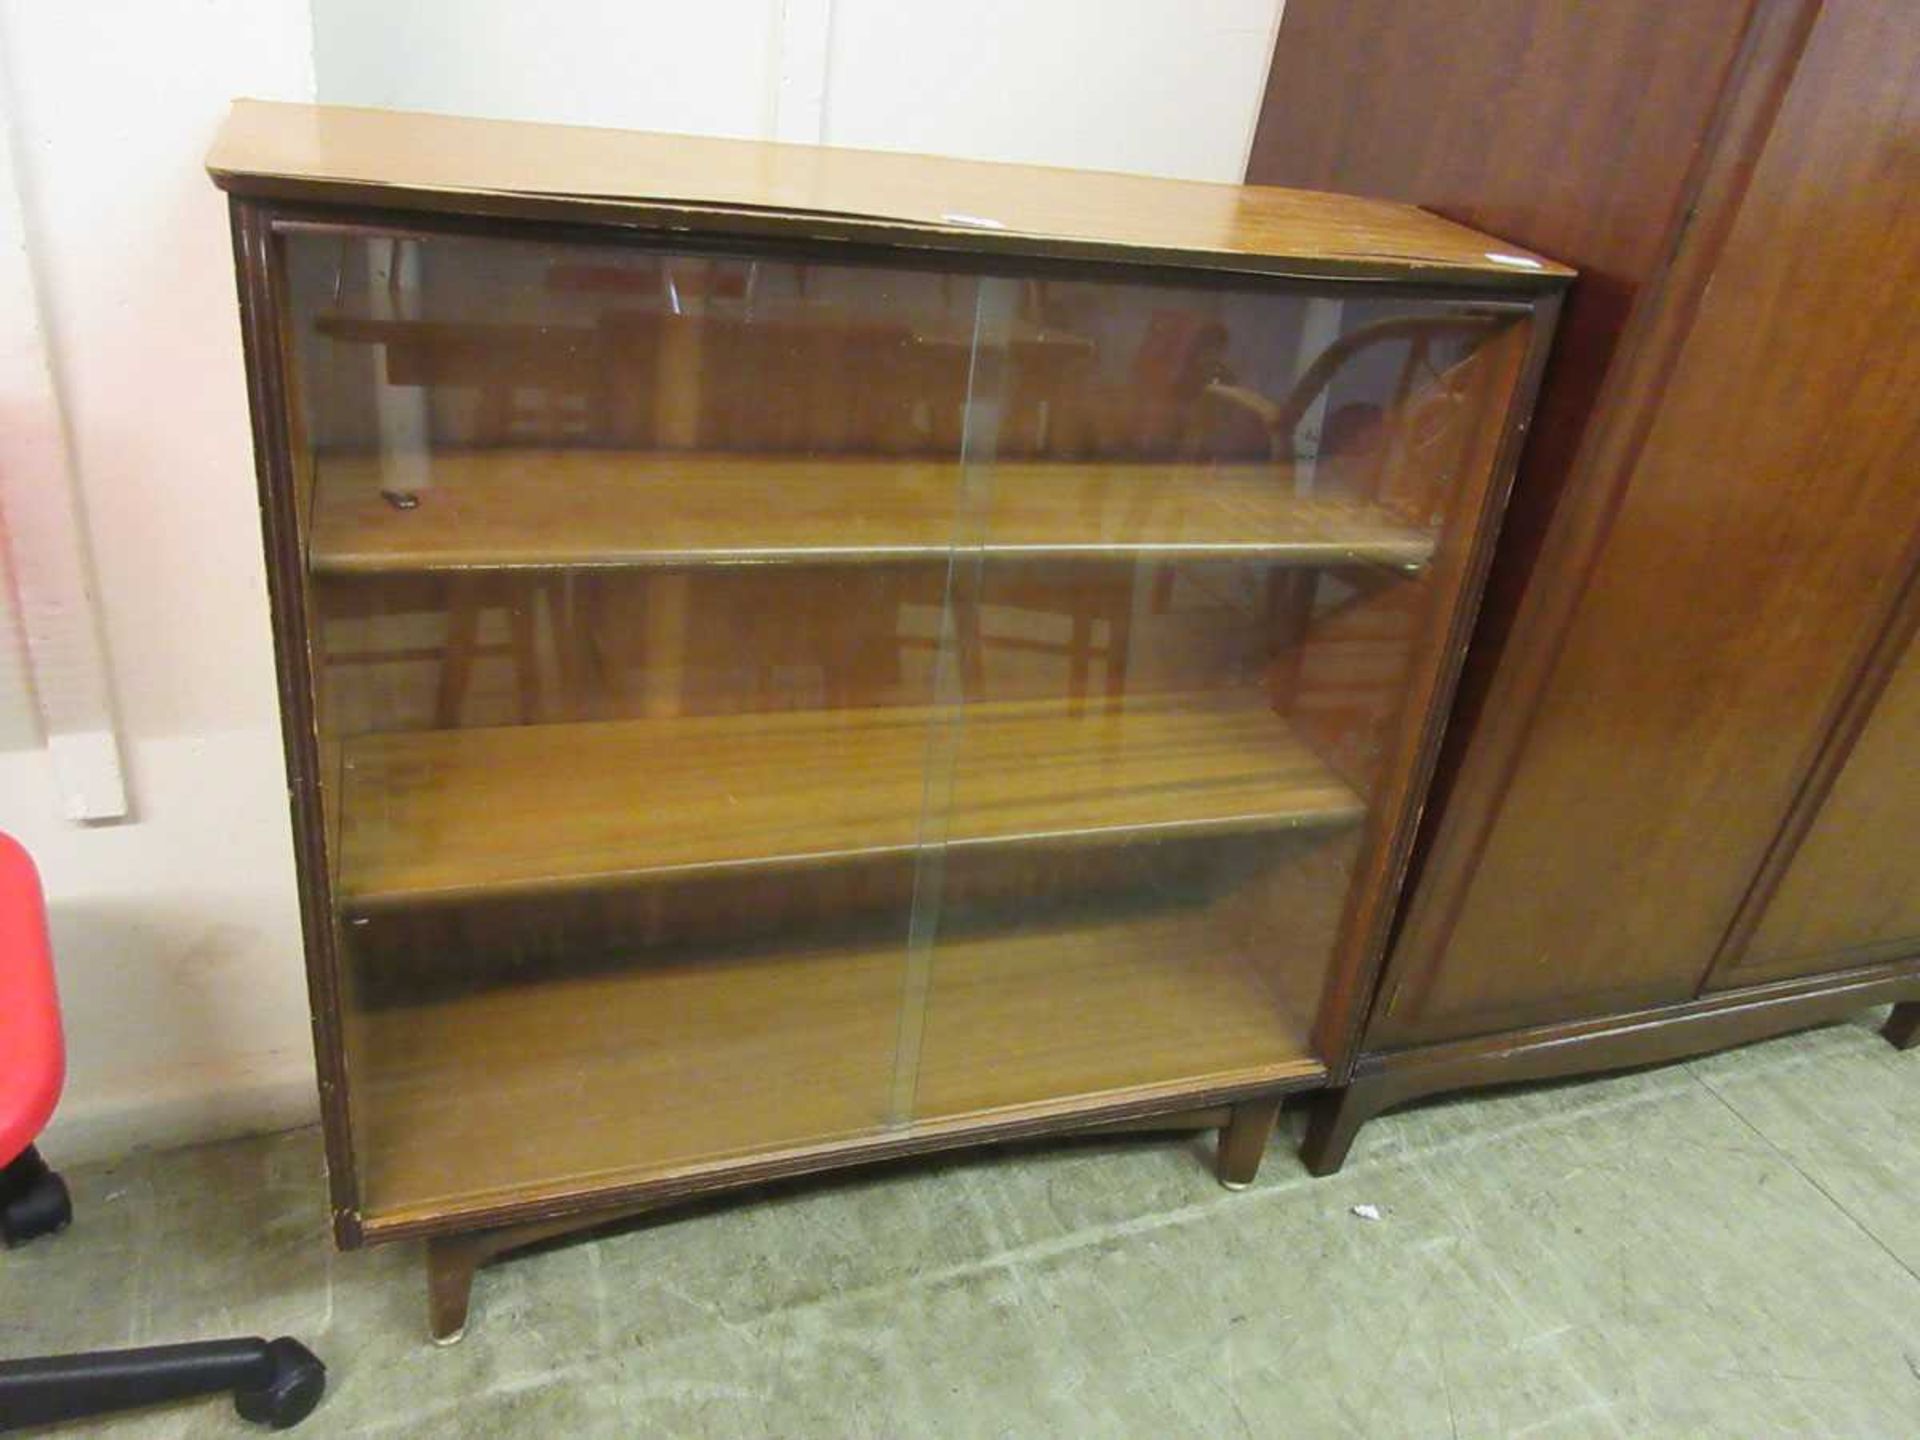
(1730, 1247)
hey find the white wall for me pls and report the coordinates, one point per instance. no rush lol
(703, 67)
(175, 932)
(1168, 87)
(1163, 87)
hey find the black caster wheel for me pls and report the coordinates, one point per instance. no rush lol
(36, 1201)
(294, 1385)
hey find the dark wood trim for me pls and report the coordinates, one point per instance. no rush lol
(1382, 872)
(1243, 1141)
(1197, 1106)
(1596, 486)
(1902, 1029)
(1210, 1117)
(452, 1260)
(1889, 643)
(1614, 1042)
(1489, 293)
(257, 273)
(694, 223)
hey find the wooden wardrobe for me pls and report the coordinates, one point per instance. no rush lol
(1677, 803)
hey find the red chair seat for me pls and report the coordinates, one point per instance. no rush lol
(32, 1054)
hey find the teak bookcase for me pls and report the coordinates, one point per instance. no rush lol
(794, 657)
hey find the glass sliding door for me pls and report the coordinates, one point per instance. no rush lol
(628, 568)
(1193, 590)
(767, 704)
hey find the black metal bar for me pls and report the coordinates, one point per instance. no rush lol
(275, 1382)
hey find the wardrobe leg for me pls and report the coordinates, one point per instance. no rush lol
(1334, 1118)
(1903, 1029)
(451, 1263)
(1244, 1140)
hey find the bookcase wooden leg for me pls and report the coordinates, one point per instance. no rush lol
(451, 1263)
(453, 1259)
(1244, 1140)
(1903, 1027)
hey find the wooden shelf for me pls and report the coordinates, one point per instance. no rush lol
(554, 1087)
(547, 1086)
(573, 319)
(577, 509)
(462, 814)
(1088, 1006)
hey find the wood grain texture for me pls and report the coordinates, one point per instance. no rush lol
(574, 509)
(1620, 1041)
(553, 1211)
(658, 1071)
(433, 161)
(1109, 997)
(1852, 887)
(1741, 543)
(262, 296)
(1878, 678)
(452, 1259)
(442, 815)
(1573, 129)
(584, 1081)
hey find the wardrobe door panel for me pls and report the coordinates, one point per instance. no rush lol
(1851, 891)
(1572, 128)
(1762, 530)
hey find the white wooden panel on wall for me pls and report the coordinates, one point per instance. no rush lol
(49, 579)
(19, 723)
(802, 45)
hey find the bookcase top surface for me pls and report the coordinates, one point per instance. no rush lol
(513, 169)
